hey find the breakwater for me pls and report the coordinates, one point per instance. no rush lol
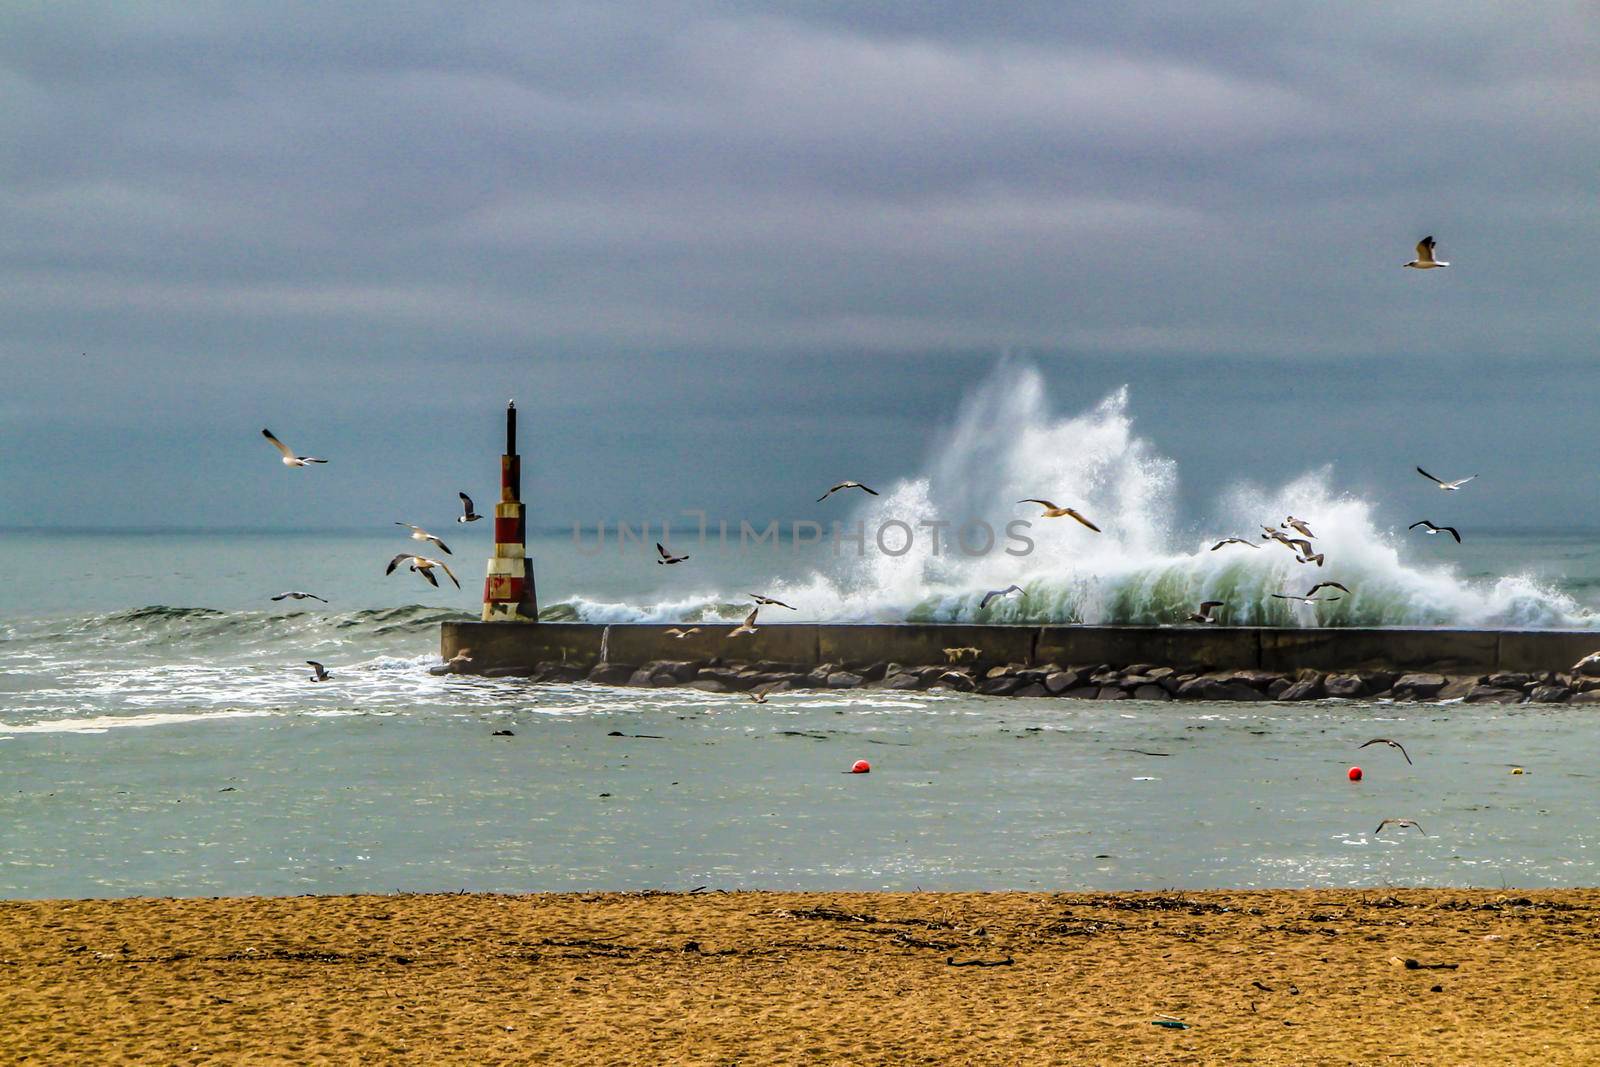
(1105, 662)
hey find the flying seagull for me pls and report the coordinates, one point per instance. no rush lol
(467, 514)
(295, 594)
(680, 634)
(1234, 541)
(991, 594)
(1425, 260)
(758, 697)
(1590, 660)
(1053, 512)
(1299, 525)
(419, 534)
(667, 557)
(423, 566)
(1448, 487)
(1207, 612)
(289, 458)
(746, 627)
(846, 485)
(1400, 824)
(322, 674)
(1391, 744)
(766, 601)
(1432, 529)
(1328, 585)
(1308, 598)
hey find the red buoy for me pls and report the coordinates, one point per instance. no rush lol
(1355, 774)
(861, 766)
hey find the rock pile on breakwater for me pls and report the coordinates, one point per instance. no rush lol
(1104, 681)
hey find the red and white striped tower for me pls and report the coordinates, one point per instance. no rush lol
(508, 593)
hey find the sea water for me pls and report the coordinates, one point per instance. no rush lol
(159, 733)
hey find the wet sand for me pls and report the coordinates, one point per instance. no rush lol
(1313, 976)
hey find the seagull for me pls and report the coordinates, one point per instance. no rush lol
(846, 485)
(758, 698)
(1588, 661)
(681, 634)
(322, 674)
(1053, 512)
(1298, 545)
(467, 514)
(1391, 744)
(766, 601)
(1234, 541)
(1207, 612)
(1448, 487)
(419, 534)
(459, 660)
(295, 594)
(1328, 585)
(746, 627)
(1308, 598)
(423, 566)
(991, 594)
(1401, 824)
(1425, 260)
(1317, 558)
(289, 458)
(1432, 529)
(1299, 525)
(668, 557)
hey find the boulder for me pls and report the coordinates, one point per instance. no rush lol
(1033, 689)
(818, 678)
(1111, 692)
(1105, 678)
(1254, 679)
(1490, 694)
(1208, 688)
(1344, 685)
(1151, 692)
(640, 677)
(1418, 686)
(1508, 680)
(1060, 681)
(611, 673)
(711, 685)
(1378, 681)
(844, 680)
(1588, 667)
(1456, 688)
(1550, 694)
(874, 672)
(902, 680)
(960, 681)
(680, 670)
(1002, 685)
(510, 672)
(1158, 673)
(1588, 696)
(734, 680)
(1278, 687)
(768, 666)
(1082, 692)
(1307, 688)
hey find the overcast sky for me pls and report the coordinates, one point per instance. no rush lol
(715, 249)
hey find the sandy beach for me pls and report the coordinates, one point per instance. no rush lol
(1313, 976)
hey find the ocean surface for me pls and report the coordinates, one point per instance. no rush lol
(159, 733)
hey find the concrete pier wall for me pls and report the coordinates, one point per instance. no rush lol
(511, 646)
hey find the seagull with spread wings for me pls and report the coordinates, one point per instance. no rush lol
(1400, 824)
(289, 458)
(295, 594)
(1448, 487)
(1299, 526)
(993, 593)
(746, 627)
(1207, 612)
(423, 566)
(321, 674)
(467, 513)
(1051, 511)
(846, 485)
(419, 534)
(1432, 529)
(680, 634)
(667, 558)
(1234, 541)
(1425, 260)
(768, 602)
(1391, 744)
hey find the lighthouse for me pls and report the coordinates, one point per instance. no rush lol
(508, 593)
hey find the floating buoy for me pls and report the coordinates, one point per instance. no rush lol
(1355, 774)
(1517, 770)
(861, 766)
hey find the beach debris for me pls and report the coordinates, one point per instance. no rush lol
(860, 766)
(1436, 989)
(846, 485)
(1262, 986)
(503, 733)
(1518, 770)
(650, 737)
(1413, 965)
(289, 458)
(1171, 1022)
(953, 962)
